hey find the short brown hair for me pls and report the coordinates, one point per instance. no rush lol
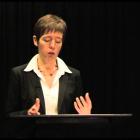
(49, 23)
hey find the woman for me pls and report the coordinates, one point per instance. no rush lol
(46, 85)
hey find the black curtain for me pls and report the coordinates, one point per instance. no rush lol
(101, 42)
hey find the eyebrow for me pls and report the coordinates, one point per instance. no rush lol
(51, 37)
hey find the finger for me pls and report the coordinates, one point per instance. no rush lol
(33, 109)
(83, 101)
(37, 101)
(37, 104)
(88, 100)
(31, 112)
(79, 103)
(76, 107)
(38, 113)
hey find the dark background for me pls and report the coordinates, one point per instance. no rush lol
(101, 41)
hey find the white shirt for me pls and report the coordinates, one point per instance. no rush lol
(50, 94)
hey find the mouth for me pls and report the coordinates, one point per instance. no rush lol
(51, 53)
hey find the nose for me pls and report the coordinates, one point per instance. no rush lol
(52, 44)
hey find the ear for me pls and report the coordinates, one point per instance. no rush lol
(35, 40)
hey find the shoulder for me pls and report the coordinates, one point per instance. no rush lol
(16, 72)
(19, 68)
(74, 70)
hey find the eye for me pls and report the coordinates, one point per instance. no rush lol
(58, 41)
(46, 40)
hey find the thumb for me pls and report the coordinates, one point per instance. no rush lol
(87, 98)
(37, 103)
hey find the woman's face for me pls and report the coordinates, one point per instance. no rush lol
(49, 45)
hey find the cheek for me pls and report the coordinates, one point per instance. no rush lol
(58, 50)
(42, 47)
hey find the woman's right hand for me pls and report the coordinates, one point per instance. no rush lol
(34, 110)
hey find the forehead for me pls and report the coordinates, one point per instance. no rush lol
(53, 34)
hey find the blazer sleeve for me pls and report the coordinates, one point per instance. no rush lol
(13, 104)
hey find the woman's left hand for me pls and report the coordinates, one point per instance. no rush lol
(83, 105)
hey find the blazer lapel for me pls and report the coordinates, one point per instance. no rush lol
(39, 93)
(62, 88)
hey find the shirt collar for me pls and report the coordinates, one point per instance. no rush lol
(32, 65)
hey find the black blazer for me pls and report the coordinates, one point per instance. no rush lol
(25, 87)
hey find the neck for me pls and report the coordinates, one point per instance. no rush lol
(47, 62)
